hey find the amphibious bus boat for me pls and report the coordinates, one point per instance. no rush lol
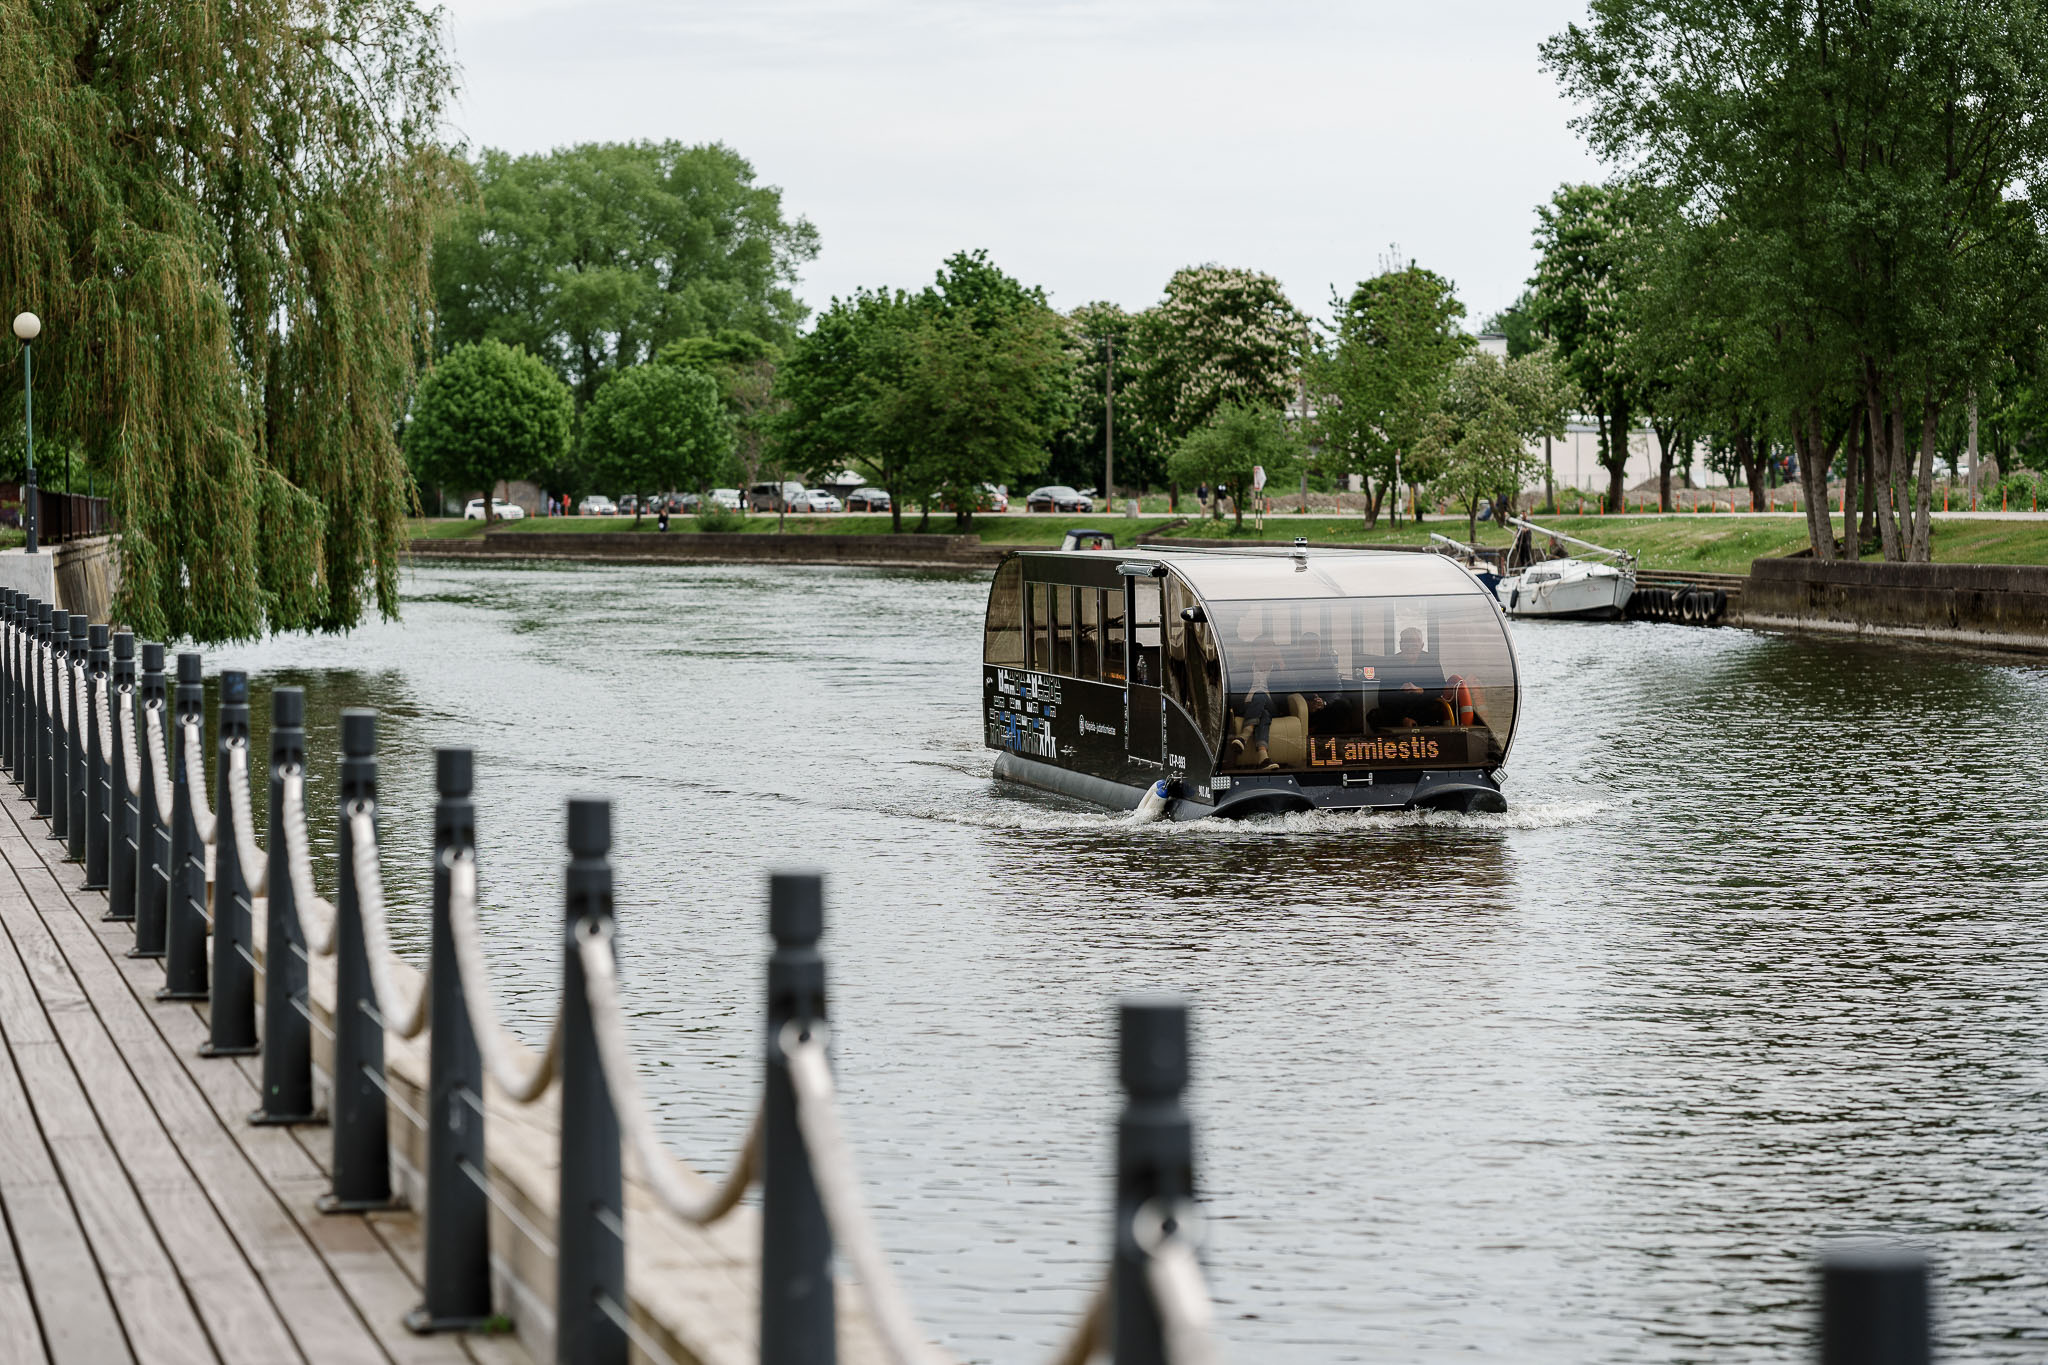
(1249, 682)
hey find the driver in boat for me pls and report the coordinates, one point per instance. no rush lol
(1414, 679)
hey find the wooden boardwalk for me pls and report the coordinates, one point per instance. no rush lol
(146, 1219)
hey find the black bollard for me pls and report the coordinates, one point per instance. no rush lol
(362, 1141)
(231, 1030)
(287, 1029)
(46, 619)
(17, 606)
(78, 771)
(798, 1316)
(50, 800)
(185, 918)
(1874, 1306)
(98, 796)
(121, 802)
(458, 1256)
(10, 637)
(1155, 1173)
(590, 1248)
(152, 826)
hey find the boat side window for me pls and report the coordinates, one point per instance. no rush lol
(1194, 675)
(1041, 647)
(1002, 639)
(1113, 635)
(1062, 628)
(1088, 634)
(1145, 640)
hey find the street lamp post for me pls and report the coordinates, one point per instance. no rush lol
(28, 327)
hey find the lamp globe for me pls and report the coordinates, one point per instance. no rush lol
(27, 326)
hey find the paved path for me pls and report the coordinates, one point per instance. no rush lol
(146, 1219)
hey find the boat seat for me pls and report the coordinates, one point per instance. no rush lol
(1286, 742)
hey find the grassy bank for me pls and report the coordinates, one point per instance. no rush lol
(1707, 543)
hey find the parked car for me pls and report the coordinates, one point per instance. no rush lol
(868, 500)
(774, 497)
(690, 503)
(597, 505)
(728, 498)
(816, 500)
(506, 511)
(989, 499)
(629, 505)
(1058, 498)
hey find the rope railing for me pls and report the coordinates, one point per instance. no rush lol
(681, 1190)
(795, 1148)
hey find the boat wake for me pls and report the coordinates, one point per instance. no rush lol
(1024, 815)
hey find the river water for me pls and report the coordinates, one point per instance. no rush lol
(1755, 960)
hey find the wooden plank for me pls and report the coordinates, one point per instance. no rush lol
(201, 1251)
(341, 1312)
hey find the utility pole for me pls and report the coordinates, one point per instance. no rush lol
(1109, 426)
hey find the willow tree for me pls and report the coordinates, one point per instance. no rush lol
(222, 212)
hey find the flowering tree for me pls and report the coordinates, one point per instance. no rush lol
(1220, 337)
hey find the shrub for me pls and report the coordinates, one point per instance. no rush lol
(716, 518)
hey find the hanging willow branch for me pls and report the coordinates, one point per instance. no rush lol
(222, 210)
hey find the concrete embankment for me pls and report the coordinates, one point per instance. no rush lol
(2003, 606)
(699, 547)
(78, 575)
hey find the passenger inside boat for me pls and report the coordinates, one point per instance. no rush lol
(1413, 682)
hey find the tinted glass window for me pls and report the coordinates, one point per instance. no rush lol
(1194, 674)
(1113, 635)
(1002, 640)
(1418, 682)
(1041, 649)
(1088, 633)
(1145, 631)
(1062, 628)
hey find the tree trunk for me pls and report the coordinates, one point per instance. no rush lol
(1236, 506)
(1859, 459)
(1920, 542)
(895, 512)
(1813, 482)
(1886, 485)
(1617, 457)
(1373, 499)
(1667, 440)
(1866, 508)
(1758, 500)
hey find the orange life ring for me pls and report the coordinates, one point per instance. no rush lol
(1460, 696)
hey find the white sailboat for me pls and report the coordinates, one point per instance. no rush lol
(1592, 587)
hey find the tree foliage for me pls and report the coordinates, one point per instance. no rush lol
(223, 215)
(1394, 341)
(595, 257)
(657, 429)
(744, 367)
(1236, 441)
(929, 395)
(1491, 411)
(1881, 166)
(1219, 337)
(486, 412)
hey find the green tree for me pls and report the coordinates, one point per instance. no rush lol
(1492, 409)
(744, 367)
(1517, 322)
(656, 429)
(487, 412)
(1587, 241)
(594, 257)
(1393, 343)
(986, 385)
(1100, 404)
(842, 387)
(1237, 441)
(1882, 166)
(1220, 336)
(223, 220)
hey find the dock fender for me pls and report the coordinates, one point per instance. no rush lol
(1467, 793)
(1158, 799)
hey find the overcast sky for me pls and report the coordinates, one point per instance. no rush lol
(1090, 148)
